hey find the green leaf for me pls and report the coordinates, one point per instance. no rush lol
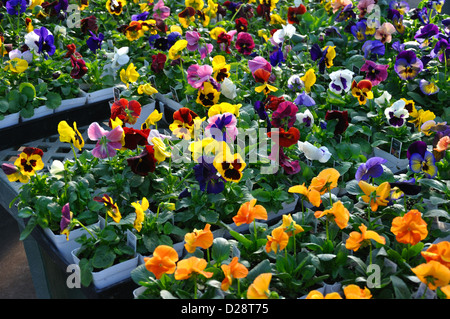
(27, 111)
(220, 250)
(53, 100)
(27, 89)
(401, 290)
(4, 106)
(103, 257)
(263, 267)
(241, 238)
(85, 272)
(437, 213)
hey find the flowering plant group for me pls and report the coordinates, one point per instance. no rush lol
(279, 103)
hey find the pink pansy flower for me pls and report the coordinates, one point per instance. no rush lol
(198, 74)
(161, 11)
(384, 33)
(107, 141)
(259, 63)
(222, 127)
(192, 38)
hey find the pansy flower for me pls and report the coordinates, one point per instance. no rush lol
(89, 24)
(233, 270)
(420, 117)
(372, 168)
(305, 118)
(198, 74)
(408, 65)
(423, 163)
(16, 7)
(277, 240)
(41, 41)
(224, 39)
(433, 274)
(111, 207)
(115, 6)
(384, 33)
(294, 14)
(222, 127)
(175, 50)
(342, 120)
(202, 238)
(441, 50)
(396, 114)
(221, 69)
(16, 65)
(375, 196)
(373, 48)
(410, 228)
(309, 79)
(443, 144)
(129, 75)
(314, 153)
(357, 240)
(107, 141)
(161, 11)
(263, 76)
(207, 176)
(426, 33)
(244, 43)
(362, 90)
(70, 135)
(428, 87)
(339, 213)
(140, 209)
(248, 212)
(183, 124)
(285, 115)
(285, 138)
(66, 218)
(191, 266)
(26, 165)
(127, 111)
(397, 21)
(324, 56)
(209, 95)
(375, 73)
(304, 99)
(259, 289)
(163, 261)
(340, 81)
(94, 42)
(143, 163)
(359, 30)
(229, 166)
(295, 84)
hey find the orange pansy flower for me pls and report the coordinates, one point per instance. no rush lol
(233, 270)
(249, 212)
(278, 240)
(162, 262)
(355, 292)
(199, 238)
(259, 289)
(446, 291)
(315, 294)
(433, 274)
(439, 252)
(186, 267)
(356, 240)
(325, 181)
(290, 225)
(409, 229)
(340, 213)
(375, 196)
(311, 194)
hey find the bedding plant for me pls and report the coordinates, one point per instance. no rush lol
(279, 103)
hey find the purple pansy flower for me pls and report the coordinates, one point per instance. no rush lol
(372, 168)
(140, 17)
(359, 30)
(373, 47)
(426, 33)
(407, 65)
(16, 7)
(376, 73)
(207, 177)
(262, 113)
(277, 57)
(94, 42)
(441, 50)
(304, 99)
(66, 217)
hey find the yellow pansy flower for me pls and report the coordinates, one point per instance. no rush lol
(140, 209)
(16, 65)
(175, 50)
(160, 149)
(70, 135)
(224, 107)
(152, 119)
(146, 89)
(309, 79)
(129, 75)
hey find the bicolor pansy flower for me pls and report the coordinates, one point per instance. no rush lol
(362, 90)
(408, 65)
(397, 113)
(428, 87)
(425, 163)
(340, 81)
(229, 166)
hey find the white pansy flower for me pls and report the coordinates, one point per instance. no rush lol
(118, 59)
(341, 81)
(57, 169)
(228, 89)
(314, 153)
(306, 117)
(384, 99)
(286, 32)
